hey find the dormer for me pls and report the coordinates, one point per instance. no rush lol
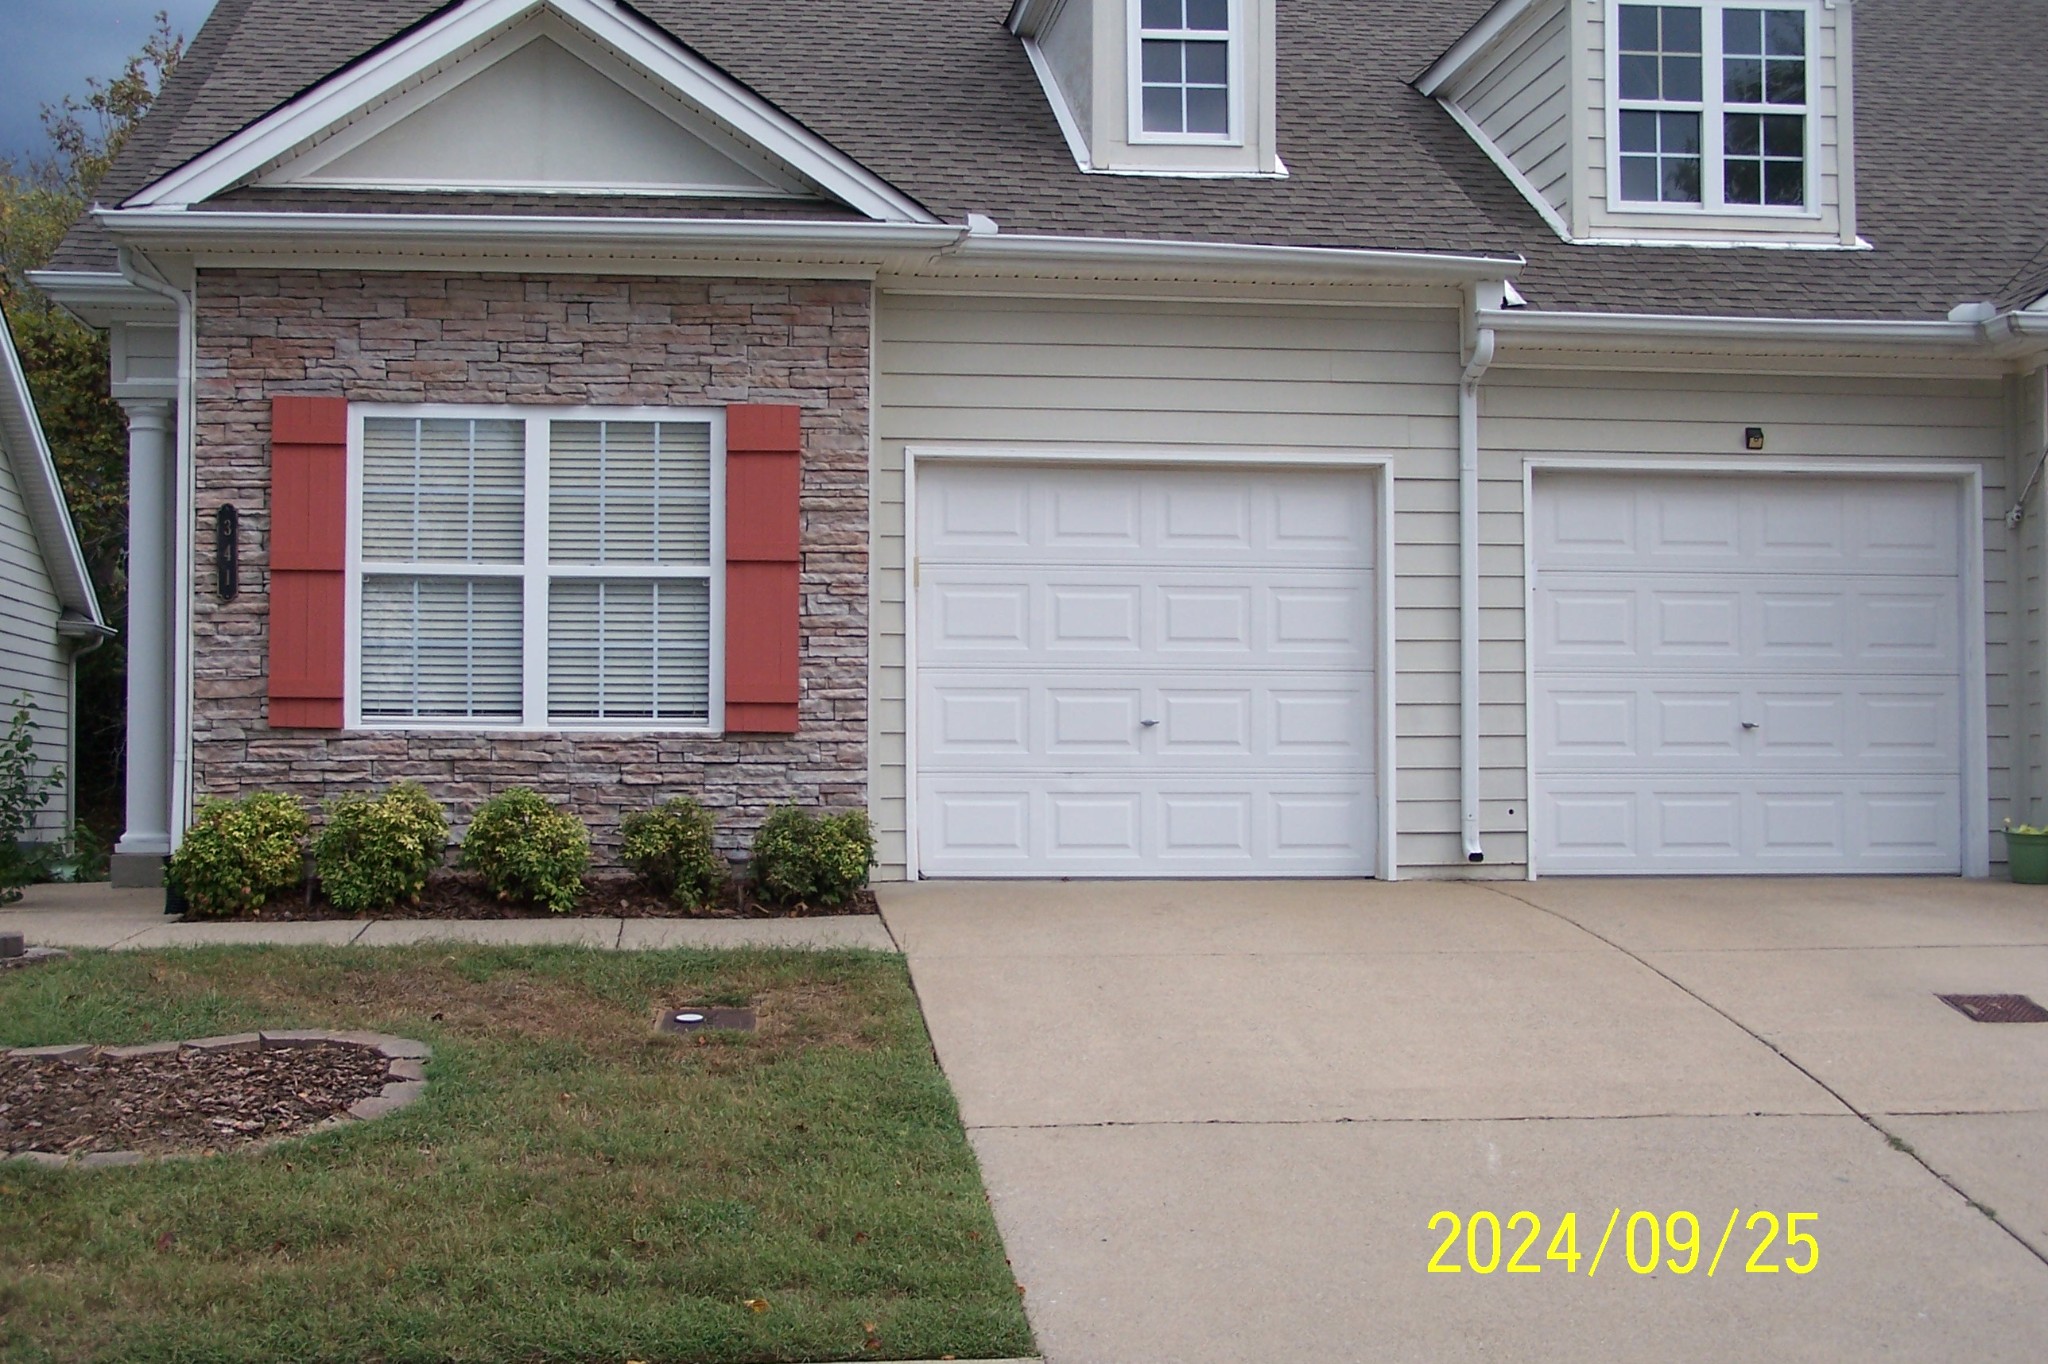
(1724, 122)
(1159, 87)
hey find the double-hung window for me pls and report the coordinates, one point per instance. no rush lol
(1186, 58)
(1712, 106)
(538, 569)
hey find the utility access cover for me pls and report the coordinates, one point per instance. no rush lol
(1996, 1008)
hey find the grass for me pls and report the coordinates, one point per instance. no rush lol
(573, 1187)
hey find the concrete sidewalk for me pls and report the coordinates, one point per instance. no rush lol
(100, 916)
(1217, 1120)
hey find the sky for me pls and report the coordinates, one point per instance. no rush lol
(53, 46)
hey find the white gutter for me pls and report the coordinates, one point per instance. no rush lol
(2005, 332)
(1308, 262)
(142, 275)
(195, 229)
(1484, 344)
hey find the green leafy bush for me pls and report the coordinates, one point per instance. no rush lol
(671, 849)
(377, 852)
(526, 849)
(23, 793)
(801, 858)
(238, 854)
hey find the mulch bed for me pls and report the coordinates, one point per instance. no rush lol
(183, 1100)
(461, 895)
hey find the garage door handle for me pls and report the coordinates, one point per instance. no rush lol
(1148, 723)
(1749, 724)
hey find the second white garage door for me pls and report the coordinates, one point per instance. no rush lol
(1760, 674)
(1144, 672)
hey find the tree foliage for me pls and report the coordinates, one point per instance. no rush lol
(66, 365)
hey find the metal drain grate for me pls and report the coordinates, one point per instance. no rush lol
(699, 1018)
(1996, 1008)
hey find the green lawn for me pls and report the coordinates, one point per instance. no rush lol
(573, 1187)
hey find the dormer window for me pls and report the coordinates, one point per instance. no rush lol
(1184, 85)
(1712, 106)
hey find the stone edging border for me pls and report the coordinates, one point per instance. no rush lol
(405, 1082)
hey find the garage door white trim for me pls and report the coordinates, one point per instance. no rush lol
(1377, 467)
(1969, 478)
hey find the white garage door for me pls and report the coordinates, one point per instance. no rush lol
(1746, 675)
(1144, 672)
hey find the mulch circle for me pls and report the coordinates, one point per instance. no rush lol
(204, 1097)
(462, 895)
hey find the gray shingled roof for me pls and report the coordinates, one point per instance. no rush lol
(936, 97)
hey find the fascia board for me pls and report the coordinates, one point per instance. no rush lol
(244, 154)
(1029, 18)
(1227, 260)
(1530, 329)
(36, 470)
(1477, 39)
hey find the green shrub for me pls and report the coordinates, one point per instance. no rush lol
(801, 858)
(23, 793)
(671, 848)
(238, 854)
(375, 853)
(526, 849)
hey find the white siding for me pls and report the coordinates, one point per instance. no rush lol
(1521, 100)
(1560, 415)
(1069, 48)
(1063, 374)
(1827, 97)
(33, 661)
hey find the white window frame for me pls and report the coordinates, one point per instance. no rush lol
(1713, 172)
(534, 569)
(1135, 78)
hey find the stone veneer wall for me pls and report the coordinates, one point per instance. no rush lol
(430, 338)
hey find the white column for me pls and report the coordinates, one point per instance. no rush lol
(147, 831)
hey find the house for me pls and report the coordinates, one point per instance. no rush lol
(49, 614)
(1104, 437)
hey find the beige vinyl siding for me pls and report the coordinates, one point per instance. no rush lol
(1060, 374)
(2030, 615)
(33, 660)
(1575, 414)
(1828, 102)
(1521, 100)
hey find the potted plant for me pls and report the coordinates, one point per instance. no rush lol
(2026, 853)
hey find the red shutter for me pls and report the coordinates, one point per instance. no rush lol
(308, 560)
(763, 486)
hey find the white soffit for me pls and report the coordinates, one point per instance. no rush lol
(565, 96)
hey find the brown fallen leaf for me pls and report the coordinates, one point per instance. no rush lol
(165, 1242)
(860, 1238)
(757, 1305)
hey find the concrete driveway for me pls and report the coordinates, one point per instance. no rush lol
(1216, 1120)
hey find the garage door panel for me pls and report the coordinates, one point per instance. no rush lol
(1676, 522)
(1145, 671)
(1753, 675)
(1739, 622)
(1600, 722)
(1702, 825)
(1125, 617)
(1067, 721)
(986, 826)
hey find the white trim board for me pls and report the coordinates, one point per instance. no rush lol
(418, 54)
(1976, 745)
(1387, 865)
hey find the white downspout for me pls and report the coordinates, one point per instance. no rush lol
(1482, 351)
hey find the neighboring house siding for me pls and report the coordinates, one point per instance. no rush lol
(33, 661)
(420, 338)
(1582, 413)
(1827, 96)
(1060, 374)
(1522, 102)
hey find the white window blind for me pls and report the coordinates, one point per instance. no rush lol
(629, 650)
(577, 592)
(442, 647)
